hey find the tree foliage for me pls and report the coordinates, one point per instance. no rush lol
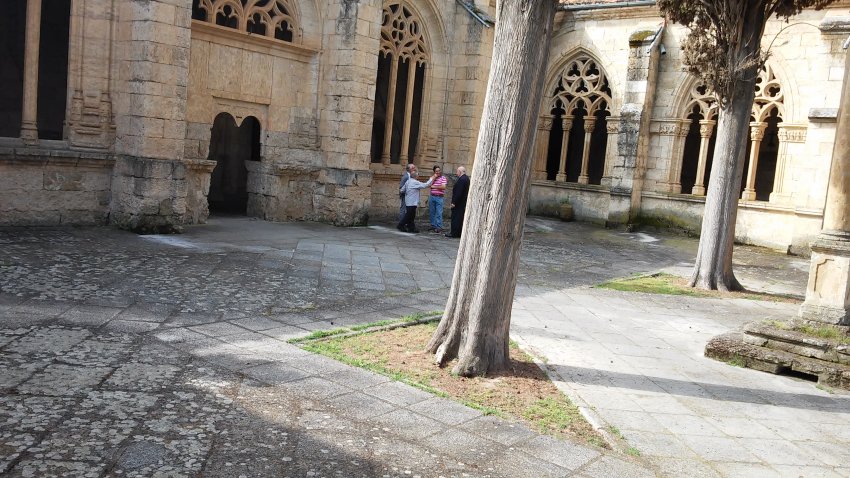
(716, 49)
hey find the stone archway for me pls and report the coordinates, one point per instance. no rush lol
(230, 147)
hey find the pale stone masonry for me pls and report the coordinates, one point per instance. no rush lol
(292, 110)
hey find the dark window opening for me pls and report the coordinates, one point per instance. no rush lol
(379, 116)
(256, 25)
(416, 117)
(575, 148)
(284, 32)
(53, 68)
(556, 139)
(598, 148)
(12, 34)
(198, 13)
(382, 87)
(690, 153)
(768, 156)
(227, 17)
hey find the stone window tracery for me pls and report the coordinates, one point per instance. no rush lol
(576, 121)
(400, 85)
(699, 133)
(269, 18)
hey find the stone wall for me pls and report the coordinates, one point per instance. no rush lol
(149, 185)
(45, 188)
(807, 61)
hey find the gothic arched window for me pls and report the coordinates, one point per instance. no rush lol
(581, 102)
(268, 18)
(763, 143)
(400, 84)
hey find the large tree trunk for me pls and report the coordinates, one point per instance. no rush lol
(713, 267)
(475, 325)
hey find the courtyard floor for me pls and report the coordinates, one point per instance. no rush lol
(126, 355)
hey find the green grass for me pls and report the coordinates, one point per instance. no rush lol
(824, 332)
(323, 334)
(660, 283)
(615, 431)
(552, 414)
(737, 362)
(668, 284)
(632, 451)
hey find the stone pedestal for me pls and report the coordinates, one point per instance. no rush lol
(828, 292)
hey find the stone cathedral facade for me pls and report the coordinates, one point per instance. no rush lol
(148, 114)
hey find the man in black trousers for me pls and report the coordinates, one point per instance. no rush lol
(459, 194)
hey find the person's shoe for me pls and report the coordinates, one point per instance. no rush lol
(438, 230)
(400, 228)
(414, 231)
(448, 234)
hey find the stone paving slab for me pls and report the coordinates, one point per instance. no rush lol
(168, 354)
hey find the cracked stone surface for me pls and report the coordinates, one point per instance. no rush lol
(126, 355)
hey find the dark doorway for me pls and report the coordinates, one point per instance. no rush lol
(230, 147)
(12, 31)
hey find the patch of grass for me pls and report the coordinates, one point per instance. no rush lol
(668, 284)
(660, 283)
(632, 451)
(737, 362)
(552, 414)
(778, 324)
(522, 393)
(823, 332)
(615, 431)
(825, 388)
(322, 334)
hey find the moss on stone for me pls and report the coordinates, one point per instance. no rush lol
(641, 35)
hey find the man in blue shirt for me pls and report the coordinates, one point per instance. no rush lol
(411, 200)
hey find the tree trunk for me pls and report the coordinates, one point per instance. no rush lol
(713, 267)
(474, 327)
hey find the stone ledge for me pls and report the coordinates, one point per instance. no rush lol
(792, 341)
(22, 156)
(835, 25)
(732, 347)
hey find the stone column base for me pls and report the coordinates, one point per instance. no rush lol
(148, 195)
(828, 291)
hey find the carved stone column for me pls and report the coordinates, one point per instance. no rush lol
(29, 111)
(677, 133)
(388, 124)
(756, 135)
(612, 127)
(788, 134)
(589, 125)
(706, 127)
(567, 123)
(828, 291)
(541, 146)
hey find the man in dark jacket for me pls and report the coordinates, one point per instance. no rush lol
(459, 194)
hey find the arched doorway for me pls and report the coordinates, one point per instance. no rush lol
(230, 147)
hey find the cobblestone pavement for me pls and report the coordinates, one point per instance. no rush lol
(127, 355)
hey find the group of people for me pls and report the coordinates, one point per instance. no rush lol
(409, 189)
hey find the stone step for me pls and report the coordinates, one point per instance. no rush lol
(783, 337)
(731, 347)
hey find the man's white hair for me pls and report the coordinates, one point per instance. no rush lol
(461, 169)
